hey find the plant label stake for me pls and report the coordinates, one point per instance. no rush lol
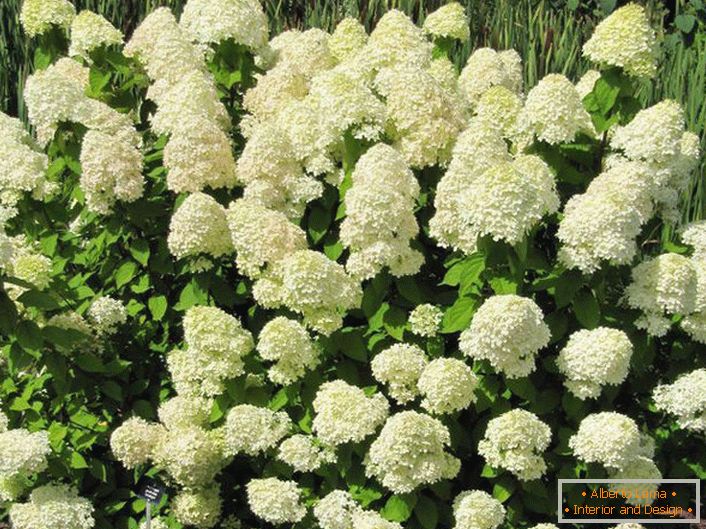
(152, 493)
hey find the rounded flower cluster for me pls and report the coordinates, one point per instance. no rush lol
(449, 21)
(395, 40)
(338, 510)
(666, 284)
(216, 343)
(685, 398)
(311, 284)
(636, 468)
(516, 441)
(587, 82)
(694, 234)
(499, 109)
(399, 366)
(198, 507)
(208, 22)
(625, 39)
(603, 223)
(105, 315)
(251, 430)
(476, 509)
(199, 226)
(184, 411)
(90, 31)
(380, 218)
(553, 111)
(133, 442)
(595, 358)
(609, 438)
(348, 38)
(423, 441)
(190, 455)
(304, 454)
(29, 265)
(38, 16)
(261, 236)
(447, 385)
(21, 454)
(508, 331)
(55, 506)
(343, 413)
(653, 134)
(287, 343)
(486, 68)
(276, 501)
(425, 320)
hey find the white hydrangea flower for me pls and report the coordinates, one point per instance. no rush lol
(274, 91)
(587, 82)
(335, 510)
(23, 166)
(654, 134)
(595, 358)
(343, 413)
(261, 236)
(155, 523)
(516, 441)
(199, 226)
(4, 422)
(694, 234)
(447, 385)
(425, 320)
(276, 501)
(210, 22)
(185, 411)
(200, 508)
(304, 454)
(695, 326)
(251, 429)
(423, 441)
(448, 21)
(311, 284)
(105, 314)
(22, 453)
(89, 31)
(287, 343)
(666, 284)
(57, 506)
(602, 224)
(190, 455)
(476, 509)
(348, 38)
(304, 51)
(29, 265)
(380, 218)
(38, 16)
(686, 399)
(609, 438)
(625, 39)
(399, 366)
(363, 519)
(486, 68)
(638, 467)
(499, 108)
(553, 111)
(423, 119)
(133, 442)
(507, 200)
(477, 149)
(508, 331)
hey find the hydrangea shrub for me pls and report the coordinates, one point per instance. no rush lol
(337, 281)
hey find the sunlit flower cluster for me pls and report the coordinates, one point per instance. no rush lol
(56, 506)
(685, 398)
(399, 366)
(199, 226)
(476, 509)
(287, 343)
(90, 31)
(251, 430)
(38, 16)
(208, 22)
(447, 385)
(304, 453)
(449, 21)
(425, 320)
(198, 507)
(105, 315)
(22, 454)
(276, 501)
(608, 438)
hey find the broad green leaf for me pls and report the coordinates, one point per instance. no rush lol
(503, 489)
(399, 507)
(394, 321)
(426, 512)
(586, 309)
(140, 251)
(29, 335)
(157, 306)
(459, 315)
(125, 273)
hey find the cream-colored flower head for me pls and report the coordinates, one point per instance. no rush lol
(38, 16)
(595, 358)
(211, 22)
(587, 82)
(89, 31)
(348, 38)
(626, 40)
(638, 493)
(276, 501)
(609, 438)
(305, 453)
(508, 331)
(199, 507)
(55, 505)
(425, 320)
(252, 430)
(449, 21)
(486, 68)
(516, 441)
(686, 399)
(199, 226)
(476, 509)
(399, 366)
(448, 386)
(287, 343)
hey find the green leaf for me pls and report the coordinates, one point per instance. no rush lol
(503, 489)
(90, 363)
(399, 507)
(318, 223)
(586, 309)
(8, 313)
(459, 315)
(394, 321)
(113, 390)
(503, 285)
(685, 22)
(606, 94)
(77, 461)
(426, 513)
(40, 300)
(350, 343)
(63, 338)
(140, 251)
(29, 336)
(157, 306)
(125, 273)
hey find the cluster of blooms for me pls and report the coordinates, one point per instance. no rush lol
(22, 454)
(105, 315)
(209, 22)
(276, 501)
(57, 506)
(38, 16)
(423, 440)
(595, 358)
(90, 31)
(400, 366)
(198, 507)
(425, 320)
(24, 261)
(447, 385)
(508, 331)
(215, 345)
(686, 399)
(199, 226)
(338, 510)
(516, 441)
(252, 430)
(345, 414)
(448, 22)
(476, 509)
(304, 454)
(287, 343)
(639, 467)
(380, 218)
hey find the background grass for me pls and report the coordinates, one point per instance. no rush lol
(547, 35)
